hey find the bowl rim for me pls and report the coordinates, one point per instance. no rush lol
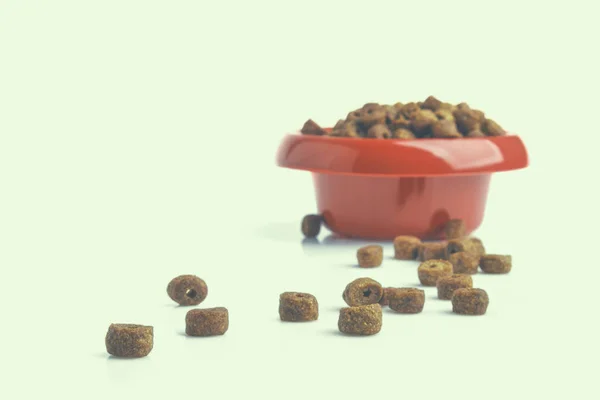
(402, 157)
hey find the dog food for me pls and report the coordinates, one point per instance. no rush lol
(362, 291)
(455, 229)
(207, 321)
(430, 118)
(477, 246)
(432, 251)
(458, 245)
(464, 263)
(129, 340)
(370, 256)
(496, 264)
(361, 320)
(385, 298)
(446, 285)
(469, 301)
(406, 247)
(407, 300)
(311, 225)
(298, 307)
(430, 271)
(187, 290)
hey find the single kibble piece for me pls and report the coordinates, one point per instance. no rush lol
(464, 263)
(407, 300)
(422, 121)
(360, 320)
(409, 110)
(444, 115)
(446, 285)
(402, 133)
(455, 229)
(207, 321)
(371, 114)
(469, 301)
(466, 120)
(362, 291)
(379, 131)
(298, 307)
(430, 271)
(311, 225)
(129, 340)
(458, 245)
(370, 256)
(312, 128)
(445, 129)
(496, 264)
(477, 246)
(385, 298)
(431, 103)
(492, 128)
(187, 290)
(432, 251)
(406, 247)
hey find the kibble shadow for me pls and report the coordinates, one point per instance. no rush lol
(112, 358)
(335, 332)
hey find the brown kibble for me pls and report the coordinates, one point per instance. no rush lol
(455, 229)
(129, 340)
(432, 251)
(407, 300)
(298, 307)
(447, 106)
(475, 133)
(362, 291)
(360, 320)
(444, 114)
(402, 133)
(385, 298)
(464, 263)
(207, 321)
(187, 290)
(345, 129)
(409, 110)
(469, 301)
(312, 128)
(492, 128)
(311, 225)
(430, 271)
(371, 114)
(495, 264)
(422, 122)
(406, 247)
(379, 131)
(370, 256)
(466, 120)
(458, 245)
(477, 246)
(446, 285)
(445, 129)
(431, 103)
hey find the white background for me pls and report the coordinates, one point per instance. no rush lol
(137, 143)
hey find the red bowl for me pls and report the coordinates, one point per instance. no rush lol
(379, 189)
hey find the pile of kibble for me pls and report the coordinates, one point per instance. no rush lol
(446, 265)
(431, 118)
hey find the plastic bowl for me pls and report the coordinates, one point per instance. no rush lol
(380, 189)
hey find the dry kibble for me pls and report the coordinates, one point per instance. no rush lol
(361, 320)
(385, 298)
(409, 110)
(371, 114)
(445, 129)
(455, 229)
(444, 114)
(466, 120)
(311, 225)
(446, 285)
(362, 291)
(496, 264)
(469, 301)
(406, 247)
(477, 246)
(458, 245)
(346, 129)
(312, 128)
(475, 133)
(187, 290)
(379, 131)
(207, 321)
(298, 307)
(129, 340)
(432, 251)
(464, 263)
(430, 271)
(400, 122)
(407, 300)
(431, 103)
(422, 121)
(402, 133)
(492, 128)
(370, 256)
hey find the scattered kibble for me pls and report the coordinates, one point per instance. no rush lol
(370, 256)
(207, 321)
(446, 285)
(455, 229)
(496, 264)
(430, 271)
(362, 291)
(469, 301)
(311, 225)
(407, 300)
(187, 290)
(464, 263)
(458, 245)
(298, 307)
(432, 251)
(477, 246)
(360, 320)
(406, 247)
(129, 340)
(385, 298)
